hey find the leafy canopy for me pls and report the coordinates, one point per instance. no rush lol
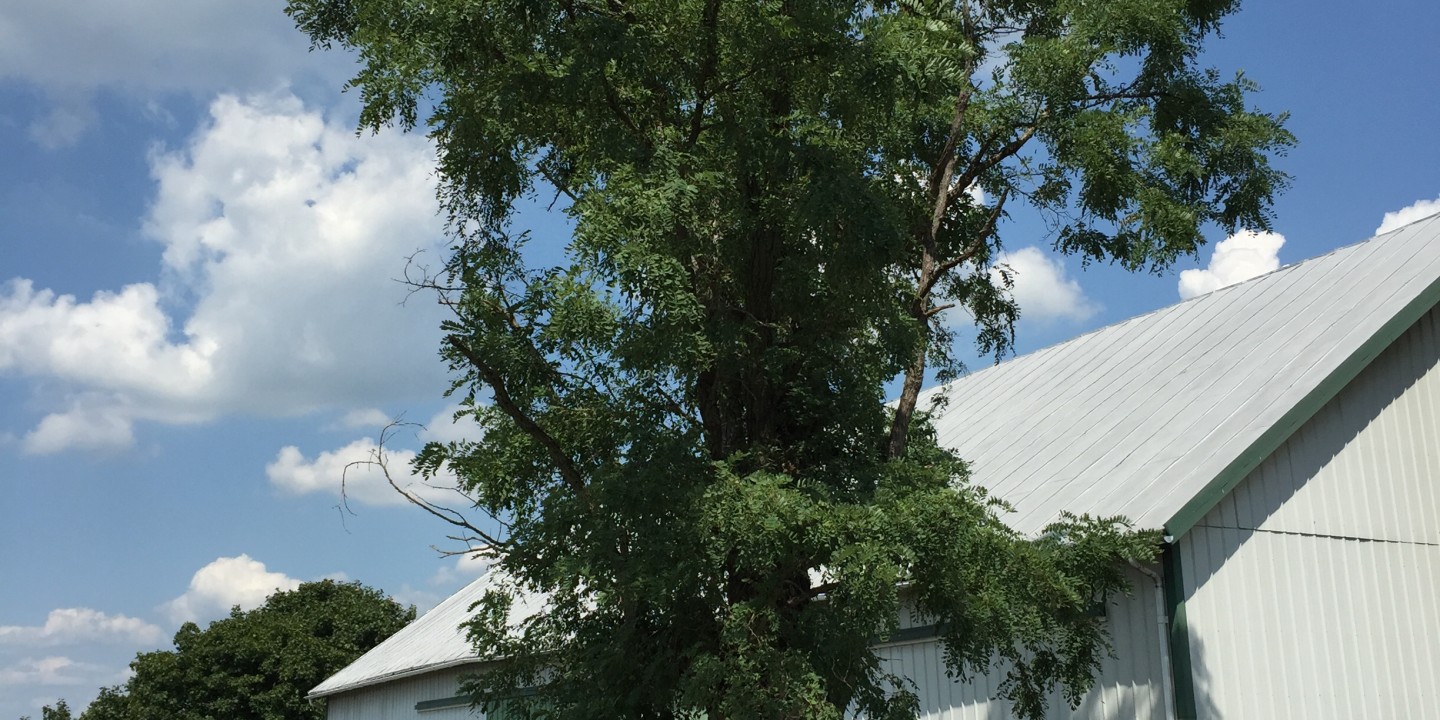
(256, 664)
(687, 444)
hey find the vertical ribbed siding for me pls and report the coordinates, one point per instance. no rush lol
(396, 700)
(1311, 589)
(1130, 684)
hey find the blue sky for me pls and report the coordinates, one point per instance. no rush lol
(200, 324)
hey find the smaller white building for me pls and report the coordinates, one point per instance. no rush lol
(1283, 432)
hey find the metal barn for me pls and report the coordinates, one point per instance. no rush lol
(1283, 433)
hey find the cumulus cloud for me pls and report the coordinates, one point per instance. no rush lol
(150, 45)
(143, 48)
(282, 236)
(423, 600)
(53, 670)
(466, 568)
(67, 626)
(352, 470)
(1419, 210)
(443, 427)
(372, 418)
(1238, 258)
(1043, 289)
(89, 424)
(223, 584)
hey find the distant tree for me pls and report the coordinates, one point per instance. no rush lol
(61, 711)
(256, 663)
(687, 440)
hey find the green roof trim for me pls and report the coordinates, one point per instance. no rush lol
(442, 703)
(466, 700)
(1270, 440)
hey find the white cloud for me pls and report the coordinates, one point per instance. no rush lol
(1238, 258)
(53, 670)
(466, 568)
(423, 600)
(367, 418)
(363, 480)
(67, 626)
(143, 48)
(1043, 289)
(223, 584)
(282, 237)
(197, 45)
(444, 428)
(89, 424)
(1418, 210)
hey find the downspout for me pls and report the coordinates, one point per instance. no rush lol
(1162, 629)
(1182, 676)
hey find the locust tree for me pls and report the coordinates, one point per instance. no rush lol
(688, 446)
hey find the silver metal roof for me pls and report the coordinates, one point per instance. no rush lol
(1156, 417)
(433, 642)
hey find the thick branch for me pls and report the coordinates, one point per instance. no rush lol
(983, 162)
(563, 463)
(708, 64)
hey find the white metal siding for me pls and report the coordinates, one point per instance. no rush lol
(1311, 589)
(1131, 684)
(396, 700)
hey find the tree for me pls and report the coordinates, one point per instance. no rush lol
(687, 446)
(256, 663)
(61, 711)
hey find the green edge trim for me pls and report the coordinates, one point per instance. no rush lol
(442, 703)
(919, 632)
(458, 700)
(1182, 676)
(1278, 433)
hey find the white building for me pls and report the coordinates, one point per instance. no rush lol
(1283, 432)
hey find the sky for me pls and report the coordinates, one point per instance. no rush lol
(201, 324)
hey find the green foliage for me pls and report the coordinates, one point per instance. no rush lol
(61, 711)
(686, 438)
(259, 663)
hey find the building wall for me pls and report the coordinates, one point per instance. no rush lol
(1131, 684)
(1311, 590)
(396, 700)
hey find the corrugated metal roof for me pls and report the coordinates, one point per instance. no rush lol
(1150, 417)
(432, 642)
(1146, 418)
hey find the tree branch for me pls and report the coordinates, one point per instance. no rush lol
(563, 463)
(449, 515)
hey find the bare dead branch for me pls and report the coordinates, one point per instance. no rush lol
(380, 461)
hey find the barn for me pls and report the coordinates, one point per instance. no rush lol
(1282, 432)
